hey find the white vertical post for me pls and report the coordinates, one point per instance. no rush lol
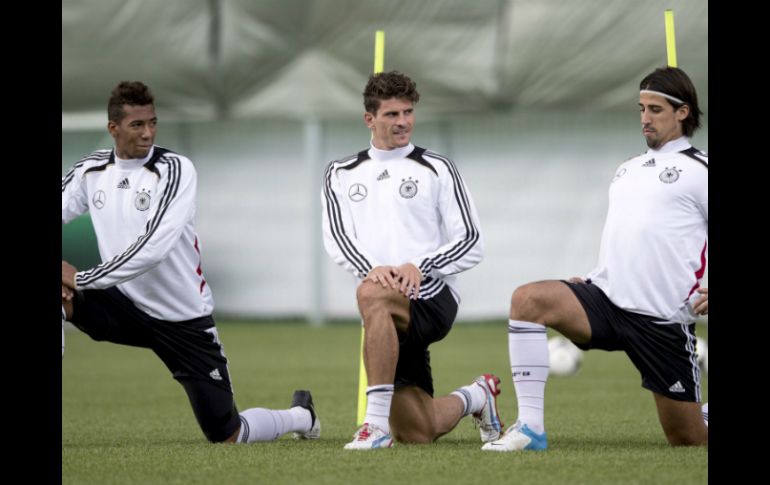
(313, 139)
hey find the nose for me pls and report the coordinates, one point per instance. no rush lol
(645, 117)
(148, 131)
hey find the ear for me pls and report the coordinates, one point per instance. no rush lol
(682, 112)
(112, 127)
(369, 119)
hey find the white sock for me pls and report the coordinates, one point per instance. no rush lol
(378, 400)
(528, 351)
(260, 424)
(473, 397)
(705, 411)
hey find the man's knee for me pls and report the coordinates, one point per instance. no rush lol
(413, 436)
(528, 303)
(698, 437)
(684, 432)
(373, 298)
(219, 428)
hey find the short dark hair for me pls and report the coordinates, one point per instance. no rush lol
(675, 82)
(386, 85)
(132, 93)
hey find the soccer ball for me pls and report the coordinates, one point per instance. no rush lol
(564, 356)
(702, 353)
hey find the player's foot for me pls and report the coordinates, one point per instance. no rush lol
(303, 399)
(369, 437)
(487, 420)
(518, 437)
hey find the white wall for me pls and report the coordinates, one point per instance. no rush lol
(539, 181)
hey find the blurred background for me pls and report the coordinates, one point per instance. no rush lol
(534, 100)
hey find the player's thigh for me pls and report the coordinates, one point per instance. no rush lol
(108, 315)
(411, 416)
(682, 421)
(554, 304)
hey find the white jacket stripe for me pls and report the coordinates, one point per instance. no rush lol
(102, 270)
(336, 227)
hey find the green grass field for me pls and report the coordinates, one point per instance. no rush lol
(125, 420)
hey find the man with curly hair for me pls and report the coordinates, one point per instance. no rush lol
(401, 220)
(149, 291)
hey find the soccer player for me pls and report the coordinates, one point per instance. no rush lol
(149, 291)
(400, 218)
(645, 295)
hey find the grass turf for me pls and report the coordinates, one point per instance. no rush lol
(125, 420)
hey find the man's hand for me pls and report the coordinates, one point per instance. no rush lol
(411, 277)
(66, 293)
(702, 303)
(384, 275)
(67, 276)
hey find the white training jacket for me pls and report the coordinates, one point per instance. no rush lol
(142, 212)
(403, 205)
(654, 244)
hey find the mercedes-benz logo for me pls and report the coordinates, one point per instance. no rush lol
(99, 199)
(357, 192)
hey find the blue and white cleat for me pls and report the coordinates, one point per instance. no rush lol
(518, 437)
(370, 437)
(488, 420)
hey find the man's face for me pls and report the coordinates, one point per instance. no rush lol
(660, 122)
(392, 124)
(135, 134)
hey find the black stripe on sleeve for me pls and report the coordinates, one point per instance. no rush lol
(95, 156)
(336, 226)
(416, 155)
(697, 155)
(472, 234)
(172, 188)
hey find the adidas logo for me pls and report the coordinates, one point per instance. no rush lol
(384, 175)
(217, 377)
(124, 184)
(649, 163)
(677, 387)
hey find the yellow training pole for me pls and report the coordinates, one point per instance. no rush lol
(362, 383)
(379, 51)
(379, 66)
(670, 38)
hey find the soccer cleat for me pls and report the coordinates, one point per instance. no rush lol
(303, 399)
(518, 437)
(487, 420)
(370, 437)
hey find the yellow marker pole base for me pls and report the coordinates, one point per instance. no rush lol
(362, 384)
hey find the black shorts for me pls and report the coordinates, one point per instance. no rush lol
(430, 321)
(664, 354)
(190, 349)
